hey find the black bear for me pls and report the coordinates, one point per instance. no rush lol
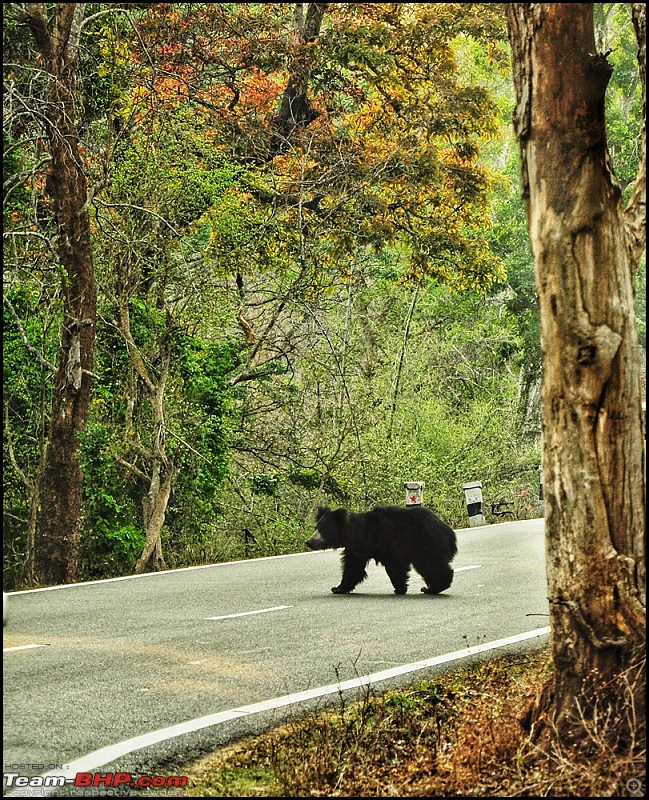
(397, 537)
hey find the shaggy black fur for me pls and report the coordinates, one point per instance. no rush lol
(397, 537)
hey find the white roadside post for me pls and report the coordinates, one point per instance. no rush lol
(414, 493)
(473, 499)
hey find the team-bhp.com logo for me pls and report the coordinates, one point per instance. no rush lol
(112, 780)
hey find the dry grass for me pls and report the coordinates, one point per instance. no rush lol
(456, 735)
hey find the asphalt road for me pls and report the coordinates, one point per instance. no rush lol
(123, 660)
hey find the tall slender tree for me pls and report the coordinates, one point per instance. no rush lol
(56, 31)
(586, 249)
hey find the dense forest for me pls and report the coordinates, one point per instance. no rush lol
(307, 270)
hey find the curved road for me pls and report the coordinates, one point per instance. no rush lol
(139, 674)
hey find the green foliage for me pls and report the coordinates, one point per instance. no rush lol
(616, 37)
(204, 368)
(509, 238)
(26, 401)
(315, 480)
(240, 233)
(264, 484)
(174, 171)
(15, 196)
(111, 542)
(199, 440)
(449, 418)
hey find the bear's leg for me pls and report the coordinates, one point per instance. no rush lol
(437, 579)
(398, 573)
(353, 573)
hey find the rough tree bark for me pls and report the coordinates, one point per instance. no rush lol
(58, 518)
(586, 249)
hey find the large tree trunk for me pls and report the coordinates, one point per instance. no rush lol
(58, 521)
(585, 258)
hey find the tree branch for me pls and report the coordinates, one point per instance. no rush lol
(123, 325)
(636, 211)
(33, 17)
(133, 469)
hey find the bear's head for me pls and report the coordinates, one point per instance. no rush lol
(329, 530)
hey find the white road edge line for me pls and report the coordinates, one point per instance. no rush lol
(248, 613)
(106, 755)
(22, 647)
(152, 574)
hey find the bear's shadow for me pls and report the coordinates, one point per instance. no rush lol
(387, 595)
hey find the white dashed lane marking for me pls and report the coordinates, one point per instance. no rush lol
(248, 613)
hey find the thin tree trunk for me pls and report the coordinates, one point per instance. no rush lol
(160, 479)
(593, 446)
(154, 506)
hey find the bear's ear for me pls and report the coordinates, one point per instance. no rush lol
(322, 511)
